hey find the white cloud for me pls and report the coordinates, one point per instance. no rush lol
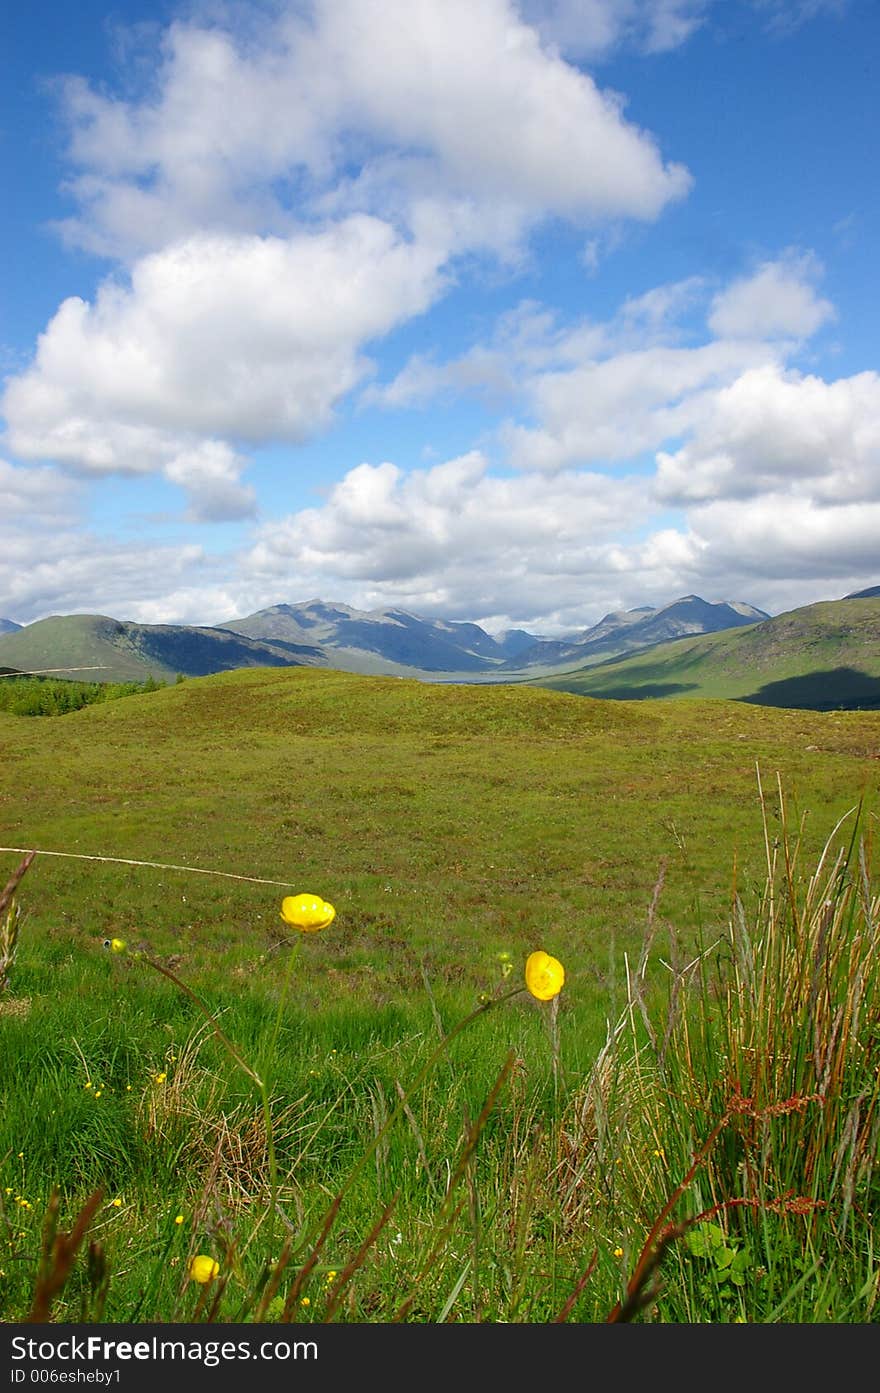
(552, 554)
(285, 195)
(528, 348)
(781, 537)
(779, 431)
(595, 29)
(72, 571)
(32, 499)
(785, 16)
(592, 28)
(599, 394)
(453, 540)
(209, 474)
(250, 338)
(623, 406)
(456, 109)
(776, 301)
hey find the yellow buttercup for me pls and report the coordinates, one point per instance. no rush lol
(545, 975)
(307, 913)
(203, 1269)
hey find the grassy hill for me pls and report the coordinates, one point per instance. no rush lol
(455, 829)
(820, 657)
(451, 820)
(108, 650)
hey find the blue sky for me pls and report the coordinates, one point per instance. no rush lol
(507, 312)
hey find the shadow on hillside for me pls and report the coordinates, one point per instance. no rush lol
(644, 691)
(836, 689)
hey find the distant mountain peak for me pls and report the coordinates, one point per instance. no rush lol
(328, 633)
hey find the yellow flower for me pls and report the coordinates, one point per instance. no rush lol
(544, 975)
(116, 1203)
(618, 1252)
(203, 1269)
(305, 1301)
(307, 912)
(160, 1078)
(178, 1219)
(331, 1277)
(98, 1092)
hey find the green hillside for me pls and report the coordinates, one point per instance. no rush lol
(451, 819)
(97, 647)
(820, 657)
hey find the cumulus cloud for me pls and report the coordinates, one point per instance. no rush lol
(772, 430)
(283, 197)
(209, 474)
(603, 393)
(621, 407)
(300, 180)
(593, 28)
(783, 537)
(51, 563)
(458, 105)
(777, 301)
(32, 498)
(454, 539)
(254, 338)
(586, 511)
(552, 554)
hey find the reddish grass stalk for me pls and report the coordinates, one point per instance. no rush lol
(662, 1233)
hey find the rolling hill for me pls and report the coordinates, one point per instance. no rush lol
(96, 648)
(820, 657)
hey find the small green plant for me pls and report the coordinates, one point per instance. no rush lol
(723, 1263)
(27, 695)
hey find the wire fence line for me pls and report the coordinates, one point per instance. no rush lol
(156, 865)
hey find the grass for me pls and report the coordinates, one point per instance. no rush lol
(687, 1133)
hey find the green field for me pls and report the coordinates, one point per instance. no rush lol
(437, 1173)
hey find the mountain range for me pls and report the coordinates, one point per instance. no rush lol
(326, 634)
(824, 656)
(821, 657)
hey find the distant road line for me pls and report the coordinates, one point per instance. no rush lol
(157, 865)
